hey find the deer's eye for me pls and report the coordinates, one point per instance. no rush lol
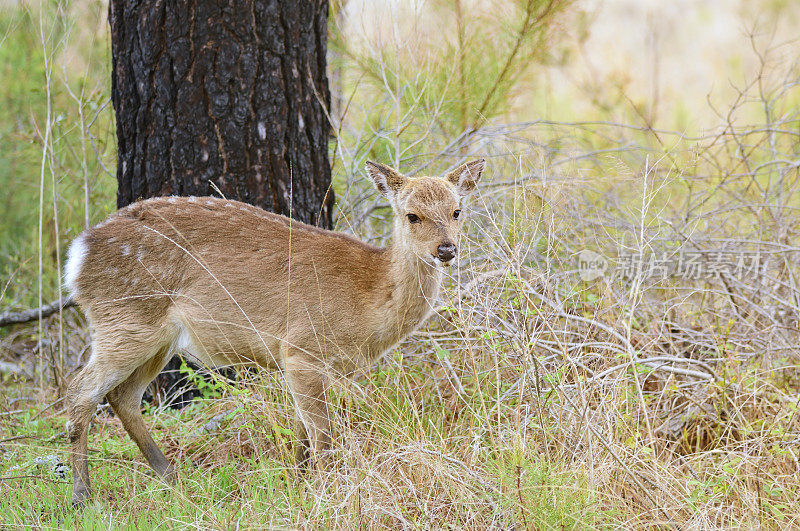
(413, 218)
(456, 214)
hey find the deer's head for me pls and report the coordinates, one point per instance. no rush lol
(427, 210)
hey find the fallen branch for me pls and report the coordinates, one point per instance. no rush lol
(25, 316)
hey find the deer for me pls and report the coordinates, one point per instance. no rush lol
(226, 283)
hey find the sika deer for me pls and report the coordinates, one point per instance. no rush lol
(228, 283)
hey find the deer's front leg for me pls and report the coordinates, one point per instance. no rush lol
(305, 377)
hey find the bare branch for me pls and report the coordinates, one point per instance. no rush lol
(26, 316)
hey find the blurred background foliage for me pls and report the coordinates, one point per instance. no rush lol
(56, 138)
(409, 81)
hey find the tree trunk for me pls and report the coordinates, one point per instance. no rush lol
(231, 95)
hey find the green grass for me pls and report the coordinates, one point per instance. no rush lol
(215, 493)
(241, 476)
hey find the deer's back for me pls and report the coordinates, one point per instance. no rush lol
(228, 278)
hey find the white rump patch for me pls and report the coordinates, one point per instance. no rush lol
(75, 257)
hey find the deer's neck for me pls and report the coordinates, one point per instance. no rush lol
(414, 288)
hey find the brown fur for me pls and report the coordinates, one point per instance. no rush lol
(228, 283)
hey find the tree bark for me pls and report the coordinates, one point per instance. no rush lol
(232, 95)
(229, 93)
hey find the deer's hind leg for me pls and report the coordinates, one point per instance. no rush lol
(126, 399)
(85, 392)
(115, 357)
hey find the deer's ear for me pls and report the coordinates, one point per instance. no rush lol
(466, 177)
(387, 181)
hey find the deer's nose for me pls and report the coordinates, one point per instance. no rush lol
(446, 252)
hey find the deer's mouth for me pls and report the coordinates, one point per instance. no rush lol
(441, 263)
